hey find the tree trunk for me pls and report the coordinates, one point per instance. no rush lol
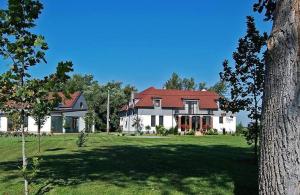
(24, 159)
(39, 135)
(279, 167)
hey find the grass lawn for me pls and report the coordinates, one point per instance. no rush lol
(133, 165)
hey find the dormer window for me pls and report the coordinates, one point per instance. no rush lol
(157, 102)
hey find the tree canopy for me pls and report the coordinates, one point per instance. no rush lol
(246, 79)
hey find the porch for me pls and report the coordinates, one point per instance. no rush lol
(197, 123)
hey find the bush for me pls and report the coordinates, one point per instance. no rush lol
(173, 130)
(212, 132)
(240, 129)
(82, 138)
(148, 128)
(190, 132)
(161, 130)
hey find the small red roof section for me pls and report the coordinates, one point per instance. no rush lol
(66, 102)
(69, 102)
(174, 98)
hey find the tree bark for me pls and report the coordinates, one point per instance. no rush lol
(39, 134)
(24, 159)
(279, 167)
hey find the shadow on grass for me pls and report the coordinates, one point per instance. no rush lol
(170, 167)
(54, 149)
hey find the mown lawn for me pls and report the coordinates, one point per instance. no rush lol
(133, 165)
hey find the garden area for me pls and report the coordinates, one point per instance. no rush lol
(111, 164)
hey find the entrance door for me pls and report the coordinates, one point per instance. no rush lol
(57, 124)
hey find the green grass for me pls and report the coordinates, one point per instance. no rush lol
(133, 165)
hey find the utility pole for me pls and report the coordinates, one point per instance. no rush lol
(107, 116)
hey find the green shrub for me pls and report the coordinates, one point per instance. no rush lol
(148, 128)
(82, 138)
(161, 130)
(173, 130)
(212, 131)
(240, 129)
(190, 132)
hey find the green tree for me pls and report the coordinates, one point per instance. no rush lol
(189, 84)
(137, 124)
(79, 82)
(246, 80)
(22, 49)
(45, 102)
(175, 82)
(220, 88)
(117, 101)
(128, 90)
(202, 86)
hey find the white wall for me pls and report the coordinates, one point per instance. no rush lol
(82, 100)
(145, 121)
(32, 127)
(229, 123)
(81, 124)
(3, 123)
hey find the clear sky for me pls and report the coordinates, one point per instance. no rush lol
(141, 42)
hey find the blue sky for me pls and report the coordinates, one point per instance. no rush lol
(141, 42)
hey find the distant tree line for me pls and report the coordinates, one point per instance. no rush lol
(176, 82)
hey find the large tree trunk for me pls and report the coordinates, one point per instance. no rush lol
(279, 171)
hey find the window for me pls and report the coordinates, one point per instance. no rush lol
(156, 102)
(81, 105)
(221, 119)
(191, 106)
(153, 122)
(161, 120)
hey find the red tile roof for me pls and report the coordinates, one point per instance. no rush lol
(69, 102)
(174, 98)
(65, 103)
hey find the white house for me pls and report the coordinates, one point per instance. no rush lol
(196, 110)
(68, 117)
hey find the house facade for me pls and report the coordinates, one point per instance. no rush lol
(68, 117)
(186, 110)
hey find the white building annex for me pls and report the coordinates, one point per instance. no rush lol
(186, 110)
(67, 118)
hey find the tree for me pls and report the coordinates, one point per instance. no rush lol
(23, 49)
(79, 83)
(90, 120)
(279, 167)
(202, 86)
(189, 84)
(137, 124)
(46, 102)
(128, 90)
(246, 79)
(175, 82)
(220, 88)
(118, 99)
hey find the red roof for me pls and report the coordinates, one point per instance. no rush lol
(69, 102)
(174, 98)
(65, 103)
